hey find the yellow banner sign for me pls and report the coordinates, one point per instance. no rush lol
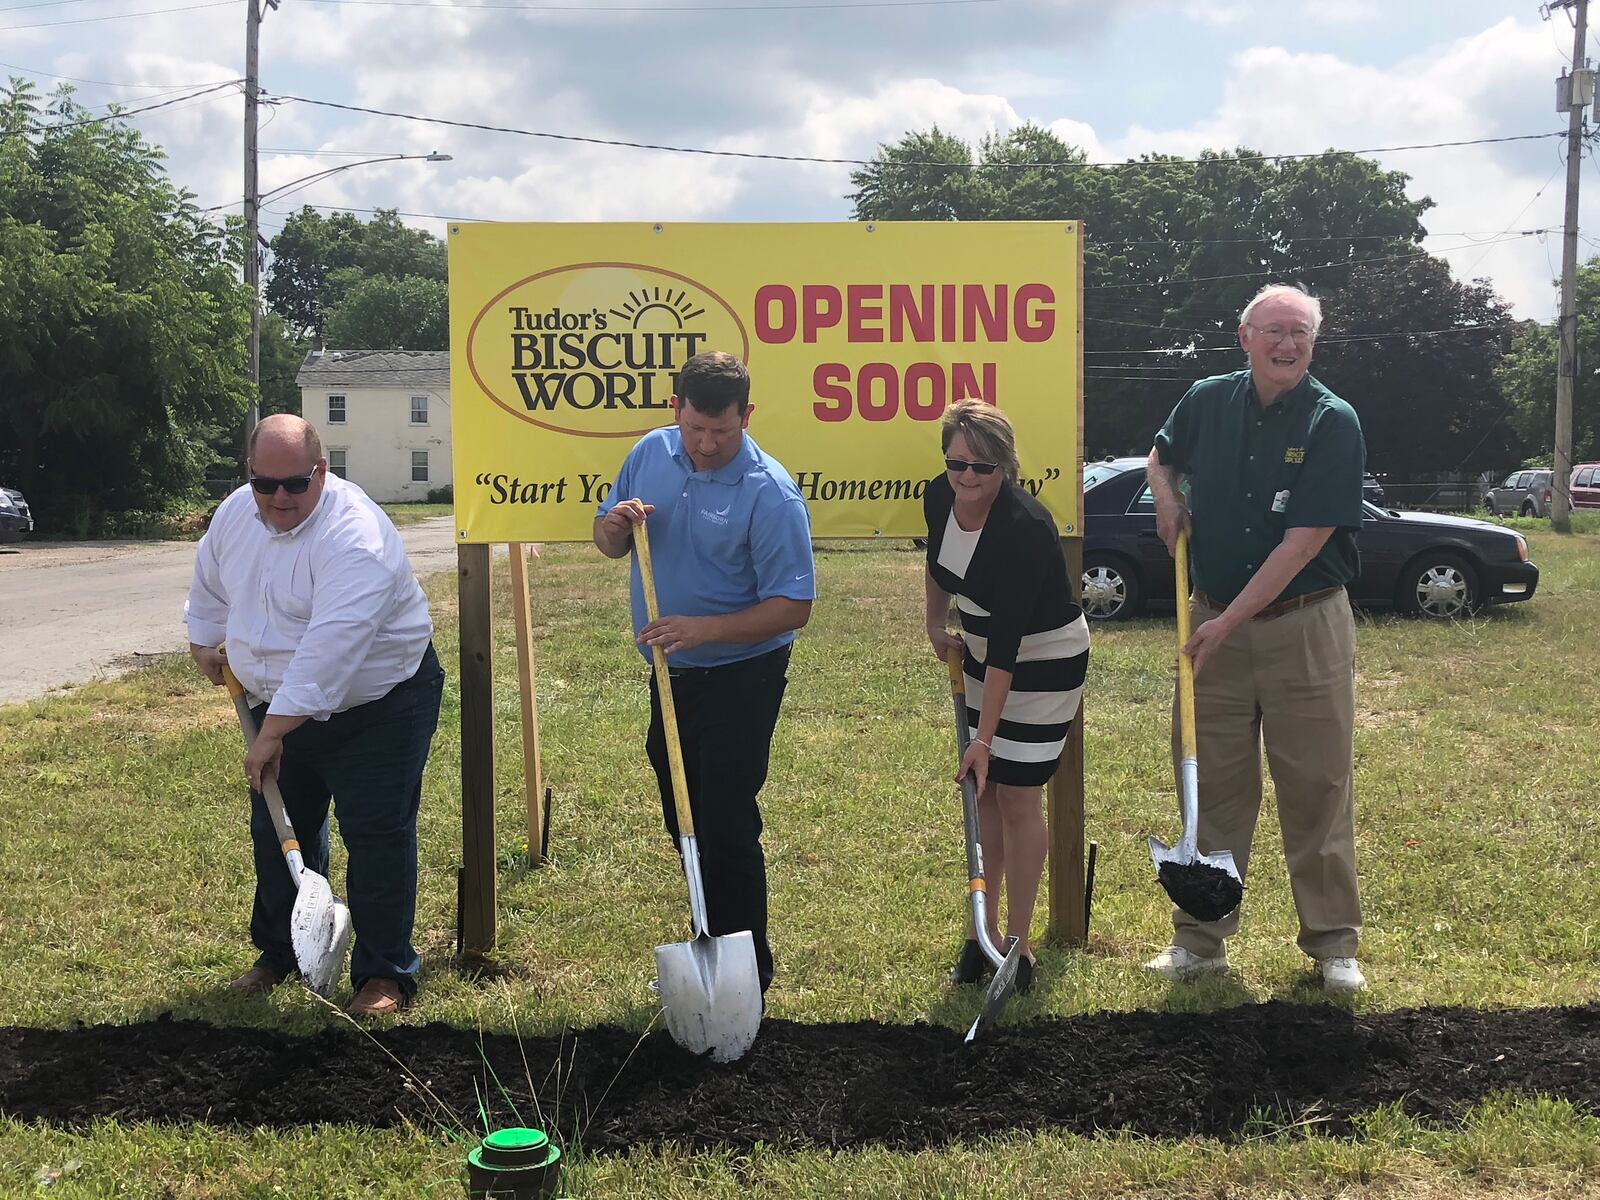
(566, 339)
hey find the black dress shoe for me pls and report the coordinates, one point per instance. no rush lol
(973, 964)
(1024, 975)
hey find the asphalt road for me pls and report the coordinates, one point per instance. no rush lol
(75, 611)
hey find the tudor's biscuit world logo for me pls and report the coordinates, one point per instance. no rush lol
(592, 349)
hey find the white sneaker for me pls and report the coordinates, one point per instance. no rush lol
(1176, 964)
(1341, 974)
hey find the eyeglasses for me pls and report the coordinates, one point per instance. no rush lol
(957, 465)
(295, 485)
(1276, 333)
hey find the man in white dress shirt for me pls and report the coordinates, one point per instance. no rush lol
(303, 586)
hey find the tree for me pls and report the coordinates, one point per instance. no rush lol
(312, 252)
(1429, 400)
(281, 355)
(383, 313)
(1528, 376)
(122, 319)
(1173, 249)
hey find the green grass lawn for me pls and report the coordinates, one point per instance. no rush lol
(126, 885)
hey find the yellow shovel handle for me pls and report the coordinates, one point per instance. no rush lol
(669, 714)
(1180, 562)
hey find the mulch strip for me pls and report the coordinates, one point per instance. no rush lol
(831, 1085)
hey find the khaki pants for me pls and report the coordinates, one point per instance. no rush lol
(1289, 682)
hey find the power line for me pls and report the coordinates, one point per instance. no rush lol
(151, 12)
(128, 112)
(159, 87)
(665, 10)
(1346, 262)
(862, 162)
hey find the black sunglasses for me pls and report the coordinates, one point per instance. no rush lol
(295, 485)
(957, 465)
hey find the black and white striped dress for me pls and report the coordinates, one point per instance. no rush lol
(1017, 610)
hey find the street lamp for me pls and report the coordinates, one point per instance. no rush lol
(252, 208)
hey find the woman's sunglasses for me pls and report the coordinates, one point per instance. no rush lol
(295, 485)
(957, 465)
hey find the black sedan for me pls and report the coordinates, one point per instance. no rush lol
(1427, 563)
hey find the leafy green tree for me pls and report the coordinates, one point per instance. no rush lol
(1528, 376)
(281, 355)
(384, 313)
(316, 259)
(1416, 353)
(122, 319)
(1173, 249)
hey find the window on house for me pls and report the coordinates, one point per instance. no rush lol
(335, 410)
(419, 466)
(419, 410)
(336, 463)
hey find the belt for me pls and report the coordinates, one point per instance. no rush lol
(1278, 609)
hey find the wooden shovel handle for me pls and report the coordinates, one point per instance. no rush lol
(669, 713)
(269, 786)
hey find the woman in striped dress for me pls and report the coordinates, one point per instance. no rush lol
(1025, 649)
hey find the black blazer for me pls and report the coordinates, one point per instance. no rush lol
(1017, 571)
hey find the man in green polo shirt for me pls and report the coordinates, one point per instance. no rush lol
(1273, 461)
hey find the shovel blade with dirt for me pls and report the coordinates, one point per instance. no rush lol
(710, 986)
(1206, 886)
(320, 929)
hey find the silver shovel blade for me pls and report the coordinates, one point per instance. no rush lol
(1001, 988)
(712, 994)
(320, 930)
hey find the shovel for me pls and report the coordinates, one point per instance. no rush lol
(1206, 886)
(1004, 984)
(709, 986)
(319, 926)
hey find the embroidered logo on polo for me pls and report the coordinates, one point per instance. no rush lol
(716, 516)
(1294, 454)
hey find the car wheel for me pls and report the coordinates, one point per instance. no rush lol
(1110, 588)
(1440, 585)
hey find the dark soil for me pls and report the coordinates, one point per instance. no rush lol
(1160, 1074)
(1205, 892)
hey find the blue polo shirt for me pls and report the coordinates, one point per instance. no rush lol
(720, 541)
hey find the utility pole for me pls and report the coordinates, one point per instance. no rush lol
(1579, 91)
(252, 209)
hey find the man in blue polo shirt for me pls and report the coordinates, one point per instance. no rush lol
(730, 542)
(1274, 462)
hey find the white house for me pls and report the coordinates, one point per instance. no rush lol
(383, 416)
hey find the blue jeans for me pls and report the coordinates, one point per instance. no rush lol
(369, 761)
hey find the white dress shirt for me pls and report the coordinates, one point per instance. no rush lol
(317, 620)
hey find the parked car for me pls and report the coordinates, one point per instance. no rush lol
(1371, 489)
(1522, 493)
(15, 517)
(1427, 563)
(1586, 485)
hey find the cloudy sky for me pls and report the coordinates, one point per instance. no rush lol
(828, 78)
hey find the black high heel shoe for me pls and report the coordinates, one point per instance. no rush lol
(973, 964)
(1024, 975)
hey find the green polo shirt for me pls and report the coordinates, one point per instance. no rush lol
(1256, 472)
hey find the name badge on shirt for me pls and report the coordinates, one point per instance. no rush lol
(1280, 501)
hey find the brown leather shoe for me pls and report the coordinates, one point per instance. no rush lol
(257, 981)
(377, 998)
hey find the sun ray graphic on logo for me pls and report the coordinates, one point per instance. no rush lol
(677, 306)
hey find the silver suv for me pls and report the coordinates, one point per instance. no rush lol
(1521, 493)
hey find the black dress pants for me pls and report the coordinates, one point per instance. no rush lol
(726, 717)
